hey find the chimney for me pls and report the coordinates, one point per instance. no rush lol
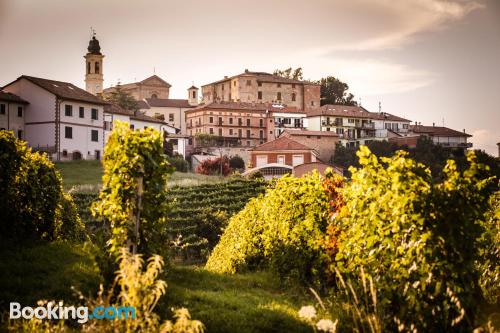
(246, 70)
(433, 124)
(464, 130)
(225, 76)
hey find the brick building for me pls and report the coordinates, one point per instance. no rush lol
(261, 87)
(283, 151)
(322, 142)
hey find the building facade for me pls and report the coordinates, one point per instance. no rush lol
(355, 125)
(94, 78)
(443, 136)
(61, 119)
(151, 87)
(322, 142)
(12, 113)
(261, 87)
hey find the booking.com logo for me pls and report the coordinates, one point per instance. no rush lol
(53, 311)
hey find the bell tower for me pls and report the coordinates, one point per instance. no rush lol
(193, 96)
(93, 67)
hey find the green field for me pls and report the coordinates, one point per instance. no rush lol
(87, 175)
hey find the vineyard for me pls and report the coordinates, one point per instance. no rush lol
(196, 217)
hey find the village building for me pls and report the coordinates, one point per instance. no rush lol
(355, 125)
(443, 136)
(261, 87)
(61, 119)
(151, 87)
(322, 142)
(12, 113)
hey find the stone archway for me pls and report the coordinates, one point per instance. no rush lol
(76, 155)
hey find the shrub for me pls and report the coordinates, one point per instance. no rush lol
(282, 229)
(32, 196)
(417, 239)
(179, 163)
(133, 198)
(236, 162)
(214, 166)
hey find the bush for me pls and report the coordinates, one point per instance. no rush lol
(416, 239)
(32, 196)
(133, 199)
(213, 166)
(282, 229)
(179, 163)
(236, 163)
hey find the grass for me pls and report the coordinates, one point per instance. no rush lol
(245, 303)
(87, 176)
(45, 271)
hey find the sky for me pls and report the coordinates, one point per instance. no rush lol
(431, 61)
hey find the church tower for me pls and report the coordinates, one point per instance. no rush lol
(93, 67)
(193, 96)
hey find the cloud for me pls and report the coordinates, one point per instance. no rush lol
(485, 139)
(406, 19)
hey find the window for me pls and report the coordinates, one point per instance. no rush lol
(259, 84)
(279, 85)
(223, 86)
(405, 126)
(211, 130)
(230, 131)
(293, 97)
(94, 135)
(230, 121)
(88, 68)
(97, 67)
(259, 95)
(94, 114)
(170, 117)
(293, 85)
(68, 132)
(279, 97)
(248, 122)
(239, 132)
(154, 96)
(19, 134)
(312, 103)
(81, 112)
(261, 134)
(248, 134)
(220, 121)
(248, 143)
(261, 122)
(350, 121)
(249, 82)
(68, 110)
(2, 108)
(210, 120)
(240, 122)
(281, 159)
(234, 83)
(220, 131)
(194, 94)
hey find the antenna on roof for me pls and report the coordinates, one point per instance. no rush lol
(380, 107)
(360, 101)
(154, 70)
(443, 121)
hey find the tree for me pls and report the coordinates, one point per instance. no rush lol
(133, 199)
(290, 73)
(334, 91)
(236, 162)
(122, 99)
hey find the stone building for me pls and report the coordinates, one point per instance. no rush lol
(151, 87)
(261, 87)
(322, 142)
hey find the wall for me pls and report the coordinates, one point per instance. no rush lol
(324, 145)
(272, 157)
(11, 121)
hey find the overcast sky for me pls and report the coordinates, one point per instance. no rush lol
(432, 61)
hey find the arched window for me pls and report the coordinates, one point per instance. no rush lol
(97, 67)
(154, 96)
(88, 68)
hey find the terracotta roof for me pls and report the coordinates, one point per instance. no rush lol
(436, 131)
(9, 97)
(163, 102)
(143, 105)
(116, 109)
(281, 143)
(193, 87)
(63, 90)
(244, 106)
(263, 77)
(353, 112)
(311, 133)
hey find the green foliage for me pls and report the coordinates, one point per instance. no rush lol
(205, 139)
(282, 229)
(122, 98)
(417, 239)
(334, 91)
(236, 162)
(32, 198)
(290, 73)
(179, 163)
(214, 166)
(134, 197)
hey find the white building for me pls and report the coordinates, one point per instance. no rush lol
(61, 119)
(356, 126)
(12, 113)
(443, 136)
(286, 118)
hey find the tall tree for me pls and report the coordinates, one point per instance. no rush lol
(122, 98)
(290, 73)
(334, 91)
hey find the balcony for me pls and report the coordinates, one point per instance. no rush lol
(284, 125)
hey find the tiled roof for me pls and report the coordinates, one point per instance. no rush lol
(311, 133)
(281, 143)
(163, 102)
(143, 105)
(436, 131)
(263, 77)
(244, 106)
(353, 112)
(64, 90)
(116, 109)
(193, 87)
(9, 97)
